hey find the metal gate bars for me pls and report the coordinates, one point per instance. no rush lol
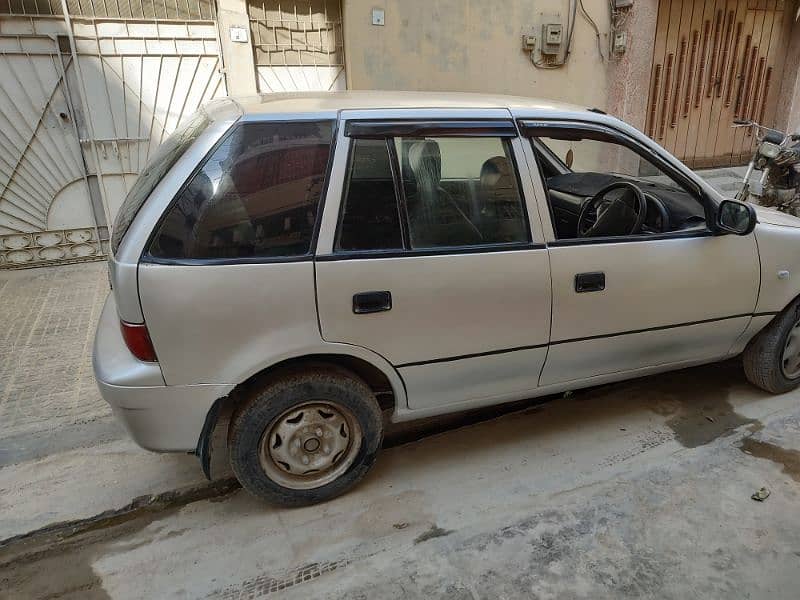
(90, 89)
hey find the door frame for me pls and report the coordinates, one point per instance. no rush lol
(436, 376)
(664, 333)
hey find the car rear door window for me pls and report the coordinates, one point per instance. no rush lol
(454, 192)
(370, 213)
(461, 191)
(256, 196)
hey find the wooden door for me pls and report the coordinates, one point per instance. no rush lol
(715, 61)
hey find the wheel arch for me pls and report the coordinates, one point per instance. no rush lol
(385, 390)
(376, 372)
(759, 323)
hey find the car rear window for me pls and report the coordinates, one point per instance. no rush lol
(157, 167)
(256, 196)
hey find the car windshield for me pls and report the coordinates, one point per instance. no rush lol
(601, 155)
(157, 167)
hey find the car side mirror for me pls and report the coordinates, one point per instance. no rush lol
(736, 217)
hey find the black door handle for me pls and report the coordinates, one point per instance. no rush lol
(590, 282)
(371, 302)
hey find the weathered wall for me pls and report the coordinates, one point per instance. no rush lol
(240, 71)
(629, 77)
(788, 113)
(472, 45)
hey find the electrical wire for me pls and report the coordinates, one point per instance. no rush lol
(596, 30)
(571, 29)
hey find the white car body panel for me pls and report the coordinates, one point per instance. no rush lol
(575, 362)
(779, 251)
(465, 303)
(653, 288)
(271, 312)
(477, 381)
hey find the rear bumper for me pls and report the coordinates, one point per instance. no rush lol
(164, 418)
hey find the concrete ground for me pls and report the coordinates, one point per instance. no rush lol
(62, 454)
(640, 489)
(726, 180)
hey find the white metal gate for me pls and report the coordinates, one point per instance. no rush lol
(45, 212)
(86, 98)
(297, 45)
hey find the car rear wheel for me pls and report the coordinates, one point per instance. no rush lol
(772, 358)
(306, 437)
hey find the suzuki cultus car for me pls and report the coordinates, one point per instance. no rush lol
(298, 266)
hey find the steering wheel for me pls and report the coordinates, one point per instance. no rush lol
(622, 214)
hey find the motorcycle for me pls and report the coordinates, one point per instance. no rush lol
(777, 157)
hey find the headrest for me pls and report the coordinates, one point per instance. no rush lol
(425, 160)
(496, 173)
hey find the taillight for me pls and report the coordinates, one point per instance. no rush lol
(137, 339)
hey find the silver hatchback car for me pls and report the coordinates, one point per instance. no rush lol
(289, 269)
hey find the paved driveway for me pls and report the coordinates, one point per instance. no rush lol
(638, 489)
(48, 398)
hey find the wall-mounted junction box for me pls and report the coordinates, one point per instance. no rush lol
(552, 36)
(238, 34)
(620, 42)
(528, 42)
(545, 40)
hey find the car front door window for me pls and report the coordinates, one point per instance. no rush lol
(600, 187)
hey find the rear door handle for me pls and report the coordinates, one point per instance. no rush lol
(372, 302)
(590, 282)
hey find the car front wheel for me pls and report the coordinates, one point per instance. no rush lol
(772, 358)
(305, 438)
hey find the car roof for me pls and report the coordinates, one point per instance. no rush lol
(325, 102)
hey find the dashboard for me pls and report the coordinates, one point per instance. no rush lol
(668, 208)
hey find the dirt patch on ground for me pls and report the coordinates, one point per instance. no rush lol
(695, 404)
(67, 576)
(789, 460)
(59, 537)
(701, 423)
(434, 532)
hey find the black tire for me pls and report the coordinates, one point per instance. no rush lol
(262, 406)
(763, 356)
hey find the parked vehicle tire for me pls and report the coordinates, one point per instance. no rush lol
(306, 437)
(772, 358)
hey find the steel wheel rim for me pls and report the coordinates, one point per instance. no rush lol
(310, 445)
(790, 361)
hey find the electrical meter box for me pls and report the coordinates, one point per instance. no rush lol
(552, 36)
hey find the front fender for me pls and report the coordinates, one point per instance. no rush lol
(779, 253)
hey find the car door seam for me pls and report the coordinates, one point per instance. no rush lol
(648, 329)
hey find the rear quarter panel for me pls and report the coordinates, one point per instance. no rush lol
(124, 264)
(223, 323)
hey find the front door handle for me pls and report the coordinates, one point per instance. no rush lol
(590, 282)
(372, 302)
